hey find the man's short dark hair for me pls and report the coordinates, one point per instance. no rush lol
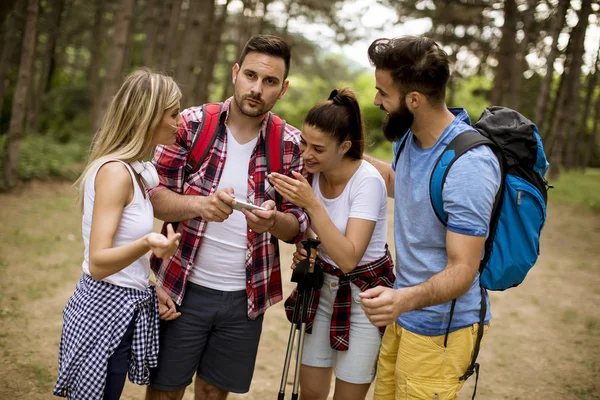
(271, 45)
(415, 63)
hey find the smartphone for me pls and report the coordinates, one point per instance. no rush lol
(239, 204)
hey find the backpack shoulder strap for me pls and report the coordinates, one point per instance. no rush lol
(456, 148)
(274, 148)
(274, 143)
(205, 133)
(402, 144)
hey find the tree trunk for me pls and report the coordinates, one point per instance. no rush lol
(170, 43)
(243, 36)
(96, 47)
(212, 56)
(506, 51)
(12, 43)
(590, 146)
(199, 17)
(150, 27)
(562, 122)
(164, 15)
(6, 8)
(116, 59)
(48, 59)
(558, 24)
(577, 149)
(18, 108)
(519, 62)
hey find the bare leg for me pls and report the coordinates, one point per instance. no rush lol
(155, 394)
(350, 391)
(205, 391)
(314, 382)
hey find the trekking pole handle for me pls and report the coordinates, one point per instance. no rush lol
(309, 245)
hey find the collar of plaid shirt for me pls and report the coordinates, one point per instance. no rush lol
(263, 275)
(377, 273)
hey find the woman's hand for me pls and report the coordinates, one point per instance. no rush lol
(161, 246)
(297, 191)
(166, 307)
(300, 254)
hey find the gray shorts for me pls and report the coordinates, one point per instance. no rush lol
(213, 337)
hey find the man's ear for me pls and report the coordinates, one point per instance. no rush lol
(414, 100)
(234, 72)
(286, 83)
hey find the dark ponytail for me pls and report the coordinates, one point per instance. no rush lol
(340, 118)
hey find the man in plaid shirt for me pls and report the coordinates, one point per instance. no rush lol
(226, 271)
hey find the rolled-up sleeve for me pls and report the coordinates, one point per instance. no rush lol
(292, 153)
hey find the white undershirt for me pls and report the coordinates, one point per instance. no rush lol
(221, 260)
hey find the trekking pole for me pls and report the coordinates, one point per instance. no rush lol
(306, 280)
(288, 353)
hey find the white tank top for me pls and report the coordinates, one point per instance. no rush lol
(137, 221)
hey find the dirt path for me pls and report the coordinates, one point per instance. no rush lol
(544, 341)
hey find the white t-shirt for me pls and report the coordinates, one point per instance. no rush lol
(221, 260)
(364, 197)
(136, 221)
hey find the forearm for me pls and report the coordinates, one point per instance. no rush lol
(175, 207)
(341, 250)
(106, 262)
(286, 226)
(449, 284)
(386, 171)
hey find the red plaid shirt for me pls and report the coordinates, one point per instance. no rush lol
(377, 273)
(263, 274)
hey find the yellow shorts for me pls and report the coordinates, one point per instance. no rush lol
(412, 366)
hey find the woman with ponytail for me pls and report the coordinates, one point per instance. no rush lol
(346, 200)
(110, 323)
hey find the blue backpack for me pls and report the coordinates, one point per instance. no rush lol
(519, 211)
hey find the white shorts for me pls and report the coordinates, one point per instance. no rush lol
(356, 365)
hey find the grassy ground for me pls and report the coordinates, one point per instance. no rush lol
(544, 341)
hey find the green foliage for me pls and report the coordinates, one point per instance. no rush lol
(65, 113)
(471, 94)
(364, 86)
(382, 152)
(578, 188)
(43, 157)
(306, 91)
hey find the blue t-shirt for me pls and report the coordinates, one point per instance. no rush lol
(420, 238)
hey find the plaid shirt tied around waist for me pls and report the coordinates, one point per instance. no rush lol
(377, 273)
(95, 321)
(263, 274)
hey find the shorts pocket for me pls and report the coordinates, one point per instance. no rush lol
(421, 389)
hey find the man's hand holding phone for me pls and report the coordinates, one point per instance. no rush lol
(218, 206)
(261, 220)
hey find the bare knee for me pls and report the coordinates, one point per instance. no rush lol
(205, 391)
(313, 392)
(155, 394)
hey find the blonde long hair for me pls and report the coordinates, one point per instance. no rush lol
(128, 126)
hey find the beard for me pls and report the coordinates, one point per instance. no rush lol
(251, 109)
(397, 123)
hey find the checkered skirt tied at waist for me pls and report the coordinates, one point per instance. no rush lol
(95, 321)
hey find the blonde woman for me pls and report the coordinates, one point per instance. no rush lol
(110, 323)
